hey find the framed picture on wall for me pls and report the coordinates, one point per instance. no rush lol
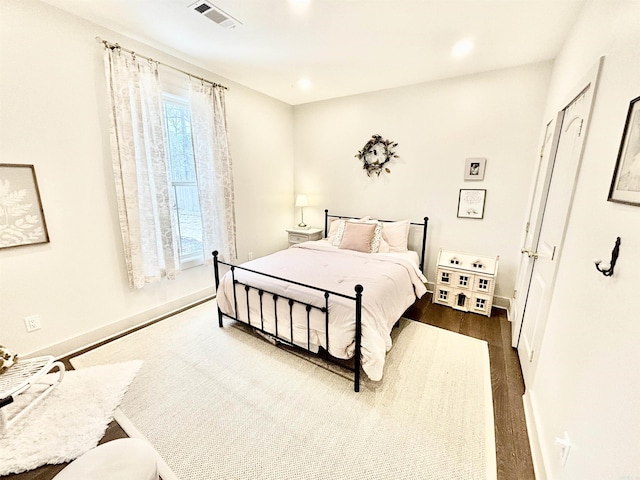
(471, 203)
(21, 215)
(474, 168)
(625, 185)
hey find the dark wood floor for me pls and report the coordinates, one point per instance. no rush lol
(512, 444)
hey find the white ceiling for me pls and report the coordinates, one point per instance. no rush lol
(342, 47)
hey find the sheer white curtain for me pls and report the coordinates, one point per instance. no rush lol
(213, 169)
(141, 168)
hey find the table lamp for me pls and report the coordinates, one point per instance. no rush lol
(302, 201)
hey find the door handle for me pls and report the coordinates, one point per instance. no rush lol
(529, 253)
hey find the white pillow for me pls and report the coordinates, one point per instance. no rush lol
(396, 234)
(384, 246)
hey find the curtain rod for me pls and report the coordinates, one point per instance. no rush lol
(114, 46)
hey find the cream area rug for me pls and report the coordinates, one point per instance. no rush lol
(70, 421)
(224, 404)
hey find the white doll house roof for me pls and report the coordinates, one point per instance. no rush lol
(470, 262)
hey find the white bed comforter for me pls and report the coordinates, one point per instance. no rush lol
(392, 283)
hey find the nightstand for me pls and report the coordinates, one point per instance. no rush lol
(299, 235)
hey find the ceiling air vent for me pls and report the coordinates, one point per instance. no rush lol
(215, 14)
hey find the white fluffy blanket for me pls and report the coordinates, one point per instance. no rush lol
(68, 422)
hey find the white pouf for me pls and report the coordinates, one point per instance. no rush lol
(121, 459)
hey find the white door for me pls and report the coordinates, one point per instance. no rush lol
(550, 215)
(534, 221)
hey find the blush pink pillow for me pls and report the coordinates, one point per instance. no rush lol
(357, 236)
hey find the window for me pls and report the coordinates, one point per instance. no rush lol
(480, 303)
(444, 277)
(183, 180)
(483, 284)
(443, 295)
(169, 218)
(463, 281)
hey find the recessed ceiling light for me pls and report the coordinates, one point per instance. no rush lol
(304, 84)
(299, 6)
(462, 48)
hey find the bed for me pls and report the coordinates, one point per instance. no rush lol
(341, 295)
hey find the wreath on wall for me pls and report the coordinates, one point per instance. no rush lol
(376, 153)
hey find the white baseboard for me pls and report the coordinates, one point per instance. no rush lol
(106, 332)
(534, 440)
(503, 303)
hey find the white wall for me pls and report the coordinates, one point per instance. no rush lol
(586, 382)
(437, 125)
(53, 114)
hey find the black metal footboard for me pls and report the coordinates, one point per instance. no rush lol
(269, 299)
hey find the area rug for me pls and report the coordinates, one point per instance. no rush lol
(70, 421)
(223, 404)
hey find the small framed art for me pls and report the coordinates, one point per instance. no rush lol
(625, 185)
(474, 168)
(471, 203)
(21, 215)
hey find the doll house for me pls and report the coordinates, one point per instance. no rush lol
(465, 282)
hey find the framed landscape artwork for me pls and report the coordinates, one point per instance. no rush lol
(21, 215)
(625, 185)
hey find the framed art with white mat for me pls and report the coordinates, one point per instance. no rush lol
(471, 203)
(474, 168)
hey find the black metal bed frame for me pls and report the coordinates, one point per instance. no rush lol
(279, 336)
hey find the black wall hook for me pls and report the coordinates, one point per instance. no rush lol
(607, 269)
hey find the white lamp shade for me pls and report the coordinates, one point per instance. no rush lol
(302, 201)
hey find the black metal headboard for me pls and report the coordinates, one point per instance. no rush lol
(423, 225)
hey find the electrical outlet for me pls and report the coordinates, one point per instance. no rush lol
(250, 256)
(32, 323)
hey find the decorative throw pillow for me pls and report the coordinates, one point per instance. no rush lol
(357, 236)
(336, 229)
(396, 234)
(333, 228)
(378, 245)
(335, 234)
(7, 358)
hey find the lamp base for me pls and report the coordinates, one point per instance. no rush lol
(303, 225)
